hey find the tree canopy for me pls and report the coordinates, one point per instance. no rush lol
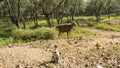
(22, 10)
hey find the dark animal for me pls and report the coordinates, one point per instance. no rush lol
(66, 27)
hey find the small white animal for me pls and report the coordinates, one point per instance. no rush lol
(55, 56)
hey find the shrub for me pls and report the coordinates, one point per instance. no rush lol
(45, 33)
(32, 35)
(24, 35)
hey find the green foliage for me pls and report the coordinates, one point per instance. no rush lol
(105, 26)
(80, 32)
(101, 24)
(45, 33)
(10, 34)
(25, 35)
(6, 28)
(108, 27)
(5, 41)
(31, 35)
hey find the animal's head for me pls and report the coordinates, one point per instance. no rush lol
(74, 23)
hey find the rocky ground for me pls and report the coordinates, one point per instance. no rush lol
(102, 49)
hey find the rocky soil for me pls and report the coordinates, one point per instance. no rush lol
(100, 50)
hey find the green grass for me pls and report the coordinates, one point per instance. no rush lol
(102, 25)
(10, 34)
(105, 26)
(108, 27)
(77, 32)
(5, 41)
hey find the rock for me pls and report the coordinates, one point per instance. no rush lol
(98, 45)
(28, 67)
(81, 38)
(111, 43)
(95, 34)
(75, 42)
(117, 43)
(99, 66)
(86, 65)
(19, 66)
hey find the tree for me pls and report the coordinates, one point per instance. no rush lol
(99, 7)
(73, 8)
(112, 6)
(34, 9)
(48, 7)
(14, 15)
(96, 7)
(68, 9)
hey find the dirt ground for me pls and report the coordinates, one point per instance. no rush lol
(102, 49)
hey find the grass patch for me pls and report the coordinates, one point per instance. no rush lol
(105, 26)
(5, 41)
(10, 34)
(101, 24)
(77, 32)
(108, 27)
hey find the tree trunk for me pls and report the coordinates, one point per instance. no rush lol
(61, 18)
(58, 20)
(48, 20)
(35, 15)
(35, 20)
(72, 17)
(24, 25)
(73, 10)
(15, 19)
(23, 21)
(97, 18)
(109, 15)
(17, 24)
(19, 13)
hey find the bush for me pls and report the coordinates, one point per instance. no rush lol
(24, 35)
(45, 33)
(32, 35)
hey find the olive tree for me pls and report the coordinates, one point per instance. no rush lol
(48, 7)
